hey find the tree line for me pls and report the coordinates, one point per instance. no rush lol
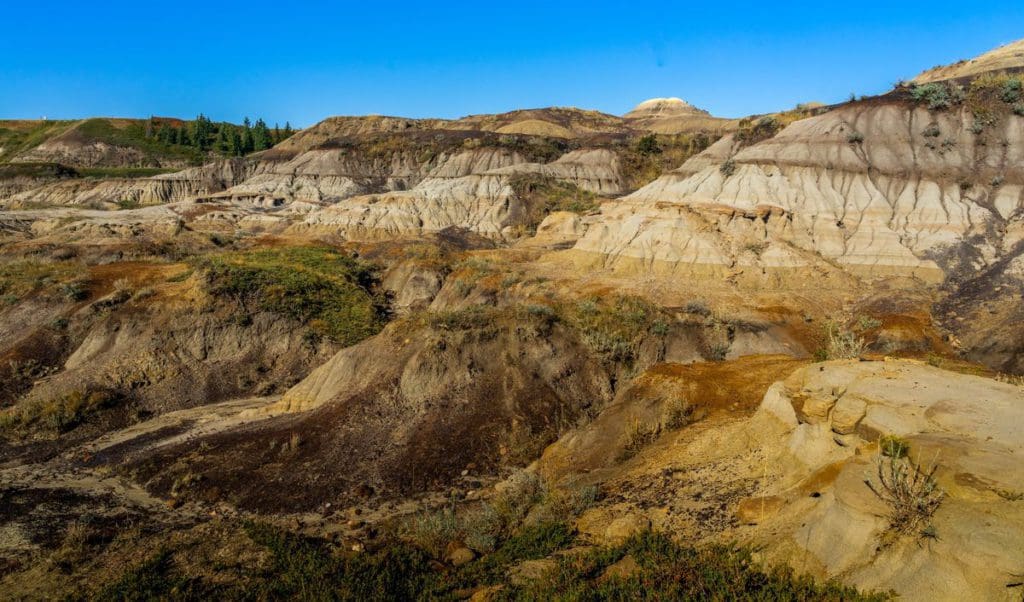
(225, 138)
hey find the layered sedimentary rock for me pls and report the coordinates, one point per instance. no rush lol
(472, 190)
(878, 188)
(164, 188)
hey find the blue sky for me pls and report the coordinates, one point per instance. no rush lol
(303, 61)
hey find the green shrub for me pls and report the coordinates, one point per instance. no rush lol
(648, 145)
(699, 308)
(842, 343)
(544, 195)
(74, 291)
(937, 95)
(126, 204)
(59, 414)
(615, 327)
(752, 132)
(432, 531)
(304, 568)
(331, 293)
(1013, 90)
(646, 159)
(865, 323)
(912, 494)
(728, 168)
(154, 579)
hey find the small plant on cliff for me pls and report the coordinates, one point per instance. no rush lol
(638, 435)
(677, 413)
(937, 95)
(892, 446)
(752, 132)
(728, 168)
(1013, 90)
(910, 492)
(841, 343)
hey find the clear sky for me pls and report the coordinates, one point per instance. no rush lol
(303, 61)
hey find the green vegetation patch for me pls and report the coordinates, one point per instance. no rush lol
(134, 134)
(544, 195)
(17, 137)
(307, 568)
(36, 170)
(123, 172)
(59, 414)
(667, 570)
(753, 131)
(331, 293)
(645, 159)
(615, 326)
(21, 278)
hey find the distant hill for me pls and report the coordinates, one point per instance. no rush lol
(1009, 57)
(158, 142)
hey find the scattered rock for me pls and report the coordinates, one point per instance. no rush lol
(531, 570)
(622, 569)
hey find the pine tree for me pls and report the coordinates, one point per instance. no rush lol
(165, 134)
(247, 142)
(236, 143)
(277, 134)
(223, 142)
(261, 136)
(202, 129)
(287, 129)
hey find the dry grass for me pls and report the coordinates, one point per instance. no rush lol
(841, 343)
(638, 435)
(677, 413)
(909, 490)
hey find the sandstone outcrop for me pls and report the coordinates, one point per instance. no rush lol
(829, 419)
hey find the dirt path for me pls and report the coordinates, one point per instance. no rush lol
(185, 425)
(67, 472)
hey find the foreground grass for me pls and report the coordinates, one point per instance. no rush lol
(667, 570)
(328, 291)
(306, 568)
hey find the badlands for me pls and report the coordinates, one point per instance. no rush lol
(545, 354)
